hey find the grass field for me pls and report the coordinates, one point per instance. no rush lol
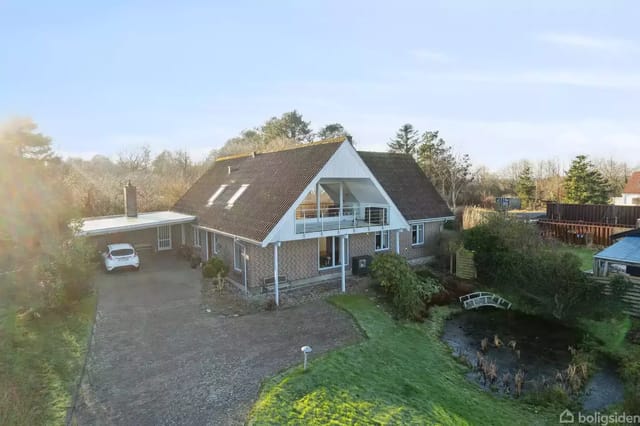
(402, 374)
(40, 363)
(584, 253)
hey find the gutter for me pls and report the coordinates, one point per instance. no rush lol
(235, 237)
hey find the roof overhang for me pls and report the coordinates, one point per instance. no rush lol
(105, 225)
(626, 251)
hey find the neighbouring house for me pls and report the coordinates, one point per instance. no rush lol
(622, 256)
(631, 192)
(302, 214)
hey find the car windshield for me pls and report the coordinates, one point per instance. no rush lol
(122, 252)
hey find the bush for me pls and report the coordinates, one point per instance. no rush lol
(215, 267)
(511, 257)
(409, 292)
(67, 276)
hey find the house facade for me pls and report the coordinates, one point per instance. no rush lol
(292, 216)
(303, 214)
(631, 192)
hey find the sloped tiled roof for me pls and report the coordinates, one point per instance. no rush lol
(407, 185)
(275, 180)
(633, 184)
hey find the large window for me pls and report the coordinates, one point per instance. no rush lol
(417, 234)
(238, 256)
(164, 237)
(382, 240)
(196, 237)
(329, 255)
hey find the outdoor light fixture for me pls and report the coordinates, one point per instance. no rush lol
(305, 350)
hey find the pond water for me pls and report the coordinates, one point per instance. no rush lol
(531, 345)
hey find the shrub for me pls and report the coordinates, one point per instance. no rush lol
(511, 257)
(409, 292)
(67, 276)
(215, 267)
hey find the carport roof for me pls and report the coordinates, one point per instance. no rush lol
(627, 251)
(114, 224)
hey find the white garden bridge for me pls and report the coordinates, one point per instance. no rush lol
(484, 298)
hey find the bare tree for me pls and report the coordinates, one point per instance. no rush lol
(137, 159)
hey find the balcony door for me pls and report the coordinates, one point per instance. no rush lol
(329, 255)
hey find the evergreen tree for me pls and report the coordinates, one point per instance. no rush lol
(584, 184)
(406, 141)
(526, 187)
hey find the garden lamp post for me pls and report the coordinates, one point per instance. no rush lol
(305, 350)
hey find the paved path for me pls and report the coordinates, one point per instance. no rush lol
(158, 359)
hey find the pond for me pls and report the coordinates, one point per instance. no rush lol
(513, 353)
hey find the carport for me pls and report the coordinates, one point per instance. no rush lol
(155, 230)
(158, 231)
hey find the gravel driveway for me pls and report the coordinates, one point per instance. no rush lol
(158, 358)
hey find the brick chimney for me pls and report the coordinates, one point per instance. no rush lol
(130, 201)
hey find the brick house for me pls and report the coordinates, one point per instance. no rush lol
(303, 214)
(298, 215)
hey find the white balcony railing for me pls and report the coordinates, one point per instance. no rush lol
(337, 218)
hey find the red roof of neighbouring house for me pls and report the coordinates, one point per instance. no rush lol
(633, 184)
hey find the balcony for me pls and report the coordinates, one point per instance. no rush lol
(350, 216)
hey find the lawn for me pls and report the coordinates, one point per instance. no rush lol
(40, 363)
(402, 374)
(584, 253)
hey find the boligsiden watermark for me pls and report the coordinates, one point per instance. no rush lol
(597, 418)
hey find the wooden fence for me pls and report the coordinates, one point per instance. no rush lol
(577, 232)
(632, 296)
(465, 267)
(604, 214)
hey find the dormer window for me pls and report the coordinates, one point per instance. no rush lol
(216, 195)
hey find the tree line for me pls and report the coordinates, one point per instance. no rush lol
(459, 182)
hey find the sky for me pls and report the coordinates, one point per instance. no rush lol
(500, 80)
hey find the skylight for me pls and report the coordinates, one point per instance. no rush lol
(216, 195)
(237, 195)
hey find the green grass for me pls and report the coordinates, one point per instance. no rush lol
(40, 363)
(401, 374)
(584, 253)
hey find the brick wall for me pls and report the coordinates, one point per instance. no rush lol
(299, 259)
(296, 260)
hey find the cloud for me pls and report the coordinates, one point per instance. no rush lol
(428, 55)
(602, 79)
(581, 41)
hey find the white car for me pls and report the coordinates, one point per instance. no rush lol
(120, 256)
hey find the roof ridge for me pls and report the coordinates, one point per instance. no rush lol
(337, 139)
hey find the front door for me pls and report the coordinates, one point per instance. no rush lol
(164, 238)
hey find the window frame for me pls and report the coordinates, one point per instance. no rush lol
(164, 238)
(197, 241)
(333, 252)
(383, 240)
(418, 233)
(243, 252)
